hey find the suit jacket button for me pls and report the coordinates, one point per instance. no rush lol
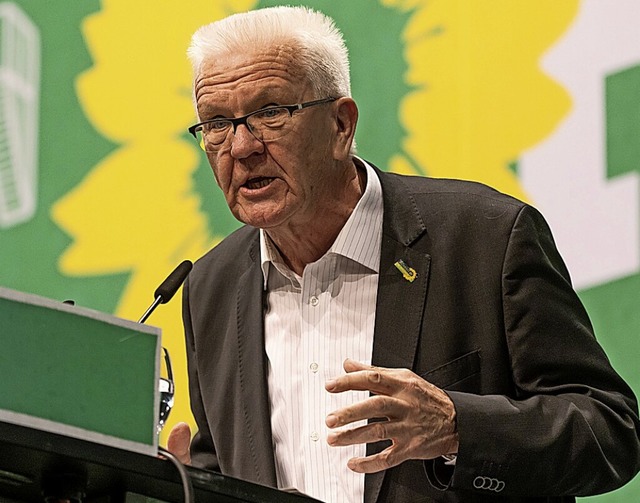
(488, 483)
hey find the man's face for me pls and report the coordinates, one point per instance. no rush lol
(275, 183)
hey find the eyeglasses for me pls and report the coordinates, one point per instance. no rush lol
(267, 124)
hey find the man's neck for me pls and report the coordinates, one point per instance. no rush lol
(306, 242)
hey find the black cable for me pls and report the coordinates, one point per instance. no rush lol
(184, 475)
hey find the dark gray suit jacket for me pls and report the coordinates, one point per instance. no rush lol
(491, 318)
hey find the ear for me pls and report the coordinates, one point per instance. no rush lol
(346, 119)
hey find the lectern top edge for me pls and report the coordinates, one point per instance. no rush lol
(29, 298)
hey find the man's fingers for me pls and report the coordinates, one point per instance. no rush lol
(350, 365)
(378, 406)
(372, 432)
(361, 377)
(384, 460)
(179, 442)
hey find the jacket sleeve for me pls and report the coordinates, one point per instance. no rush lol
(203, 453)
(571, 425)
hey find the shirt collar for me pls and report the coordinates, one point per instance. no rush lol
(359, 240)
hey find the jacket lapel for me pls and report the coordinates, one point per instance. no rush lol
(401, 300)
(252, 369)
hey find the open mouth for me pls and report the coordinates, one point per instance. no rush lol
(258, 182)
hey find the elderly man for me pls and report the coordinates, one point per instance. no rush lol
(302, 326)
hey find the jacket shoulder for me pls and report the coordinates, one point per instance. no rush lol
(452, 190)
(447, 204)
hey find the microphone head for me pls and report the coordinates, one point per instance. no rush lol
(170, 286)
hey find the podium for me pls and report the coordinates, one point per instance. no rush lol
(78, 412)
(30, 458)
(79, 372)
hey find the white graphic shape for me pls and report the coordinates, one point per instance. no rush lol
(594, 220)
(19, 97)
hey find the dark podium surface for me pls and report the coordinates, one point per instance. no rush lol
(31, 457)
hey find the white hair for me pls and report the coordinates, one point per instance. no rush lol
(322, 53)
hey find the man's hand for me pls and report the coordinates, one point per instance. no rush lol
(420, 419)
(179, 442)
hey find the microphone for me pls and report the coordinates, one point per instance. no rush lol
(168, 288)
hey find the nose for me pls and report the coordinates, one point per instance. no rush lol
(244, 143)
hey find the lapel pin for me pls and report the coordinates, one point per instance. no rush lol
(408, 273)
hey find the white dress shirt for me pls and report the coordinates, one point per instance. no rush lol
(312, 324)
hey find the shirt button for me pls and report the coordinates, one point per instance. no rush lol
(313, 301)
(314, 436)
(314, 367)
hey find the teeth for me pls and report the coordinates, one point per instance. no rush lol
(258, 183)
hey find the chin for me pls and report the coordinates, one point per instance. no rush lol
(268, 218)
(260, 220)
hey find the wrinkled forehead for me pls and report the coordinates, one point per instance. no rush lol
(275, 66)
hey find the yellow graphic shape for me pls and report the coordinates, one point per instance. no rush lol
(137, 211)
(480, 97)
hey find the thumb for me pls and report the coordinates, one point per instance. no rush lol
(179, 442)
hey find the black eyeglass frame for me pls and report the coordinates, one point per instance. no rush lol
(236, 121)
